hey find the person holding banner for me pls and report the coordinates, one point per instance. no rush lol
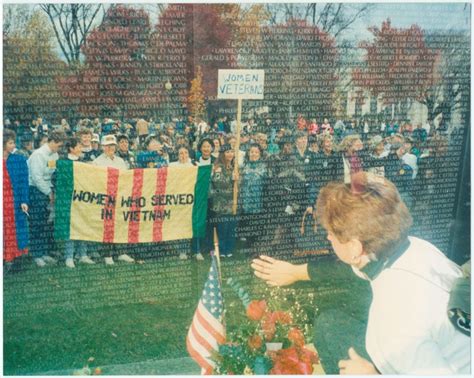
(203, 157)
(41, 166)
(154, 155)
(183, 158)
(110, 160)
(408, 330)
(124, 152)
(74, 153)
(89, 154)
(221, 197)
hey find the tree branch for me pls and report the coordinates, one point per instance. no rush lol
(47, 9)
(351, 20)
(323, 16)
(65, 33)
(335, 19)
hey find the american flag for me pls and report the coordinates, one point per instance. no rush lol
(207, 329)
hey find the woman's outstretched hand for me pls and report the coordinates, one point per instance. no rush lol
(356, 365)
(277, 272)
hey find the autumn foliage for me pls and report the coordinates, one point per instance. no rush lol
(30, 68)
(202, 38)
(398, 65)
(196, 105)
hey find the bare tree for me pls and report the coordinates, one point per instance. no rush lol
(15, 17)
(333, 18)
(71, 24)
(450, 94)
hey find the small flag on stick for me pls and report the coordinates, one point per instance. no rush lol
(207, 329)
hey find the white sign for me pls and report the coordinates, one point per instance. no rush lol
(243, 84)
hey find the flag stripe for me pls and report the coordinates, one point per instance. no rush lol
(218, 336)
(199, 348)
(213, 322)
(161, 175)
(201, 339)
(134, 225)
(200, 201)
(112, 187)
(63, 199)
(202, 362)
(199, 329)
(207, 330)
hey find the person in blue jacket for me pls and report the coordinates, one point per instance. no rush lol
(154, 155)
(16, 200)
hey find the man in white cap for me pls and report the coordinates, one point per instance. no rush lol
(109, 159)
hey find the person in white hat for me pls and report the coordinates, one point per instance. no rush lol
(109, 159)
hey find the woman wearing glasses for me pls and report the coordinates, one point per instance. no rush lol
(408, 329)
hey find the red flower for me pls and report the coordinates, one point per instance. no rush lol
(271, 319)
(268, 328)
(296, 337)
(309, 356)
(255, 342)
(293, 361)
(256, 310)
(282, 317)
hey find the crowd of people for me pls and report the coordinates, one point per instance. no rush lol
(279, 176)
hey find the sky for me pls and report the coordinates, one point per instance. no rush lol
(428, 16)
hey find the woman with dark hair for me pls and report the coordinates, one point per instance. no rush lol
(408, 330)
(204, 154)
(15, 200)
(74, 153)
(199, 245)
(123, 151)
(221, 197)
(254, 174)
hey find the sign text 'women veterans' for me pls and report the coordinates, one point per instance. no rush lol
(240, 84)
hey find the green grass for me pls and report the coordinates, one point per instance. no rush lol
(56, 318)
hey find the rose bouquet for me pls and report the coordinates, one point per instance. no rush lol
(251, 346)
